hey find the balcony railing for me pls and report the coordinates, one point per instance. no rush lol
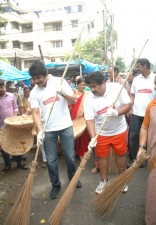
(28, 30)
(27, 48)
(52, 29)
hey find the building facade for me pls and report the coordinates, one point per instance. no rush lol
(55, 27)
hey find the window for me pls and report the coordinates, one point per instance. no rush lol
(3, 45)
(57, 44)
(73, 41)
(26, 28)
(74, 23)
(15, 25)
(52, 60)
(27, 46)
(57, 26)
(27, 63)
(62, 59)
(16, 44)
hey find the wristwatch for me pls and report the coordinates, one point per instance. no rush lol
(142, 146)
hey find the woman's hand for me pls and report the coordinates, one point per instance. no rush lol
(141, 150)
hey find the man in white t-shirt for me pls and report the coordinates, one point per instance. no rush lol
(142, 93)
(97, 105)
(59, 124)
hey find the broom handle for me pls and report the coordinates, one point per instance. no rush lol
(52, 106)
(103, 123)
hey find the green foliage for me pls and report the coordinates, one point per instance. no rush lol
(120, 64)
(95, 50)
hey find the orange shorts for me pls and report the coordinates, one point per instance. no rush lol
(117, 142)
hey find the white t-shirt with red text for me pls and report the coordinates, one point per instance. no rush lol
(143, 89)
(95, 108)
(42, 97)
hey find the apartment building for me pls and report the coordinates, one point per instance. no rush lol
(55, 27)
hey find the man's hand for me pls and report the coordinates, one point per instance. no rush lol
(92, 144)
(59, 89)
(111, 112)
(40, 137)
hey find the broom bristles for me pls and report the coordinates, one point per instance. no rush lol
(66, 197)
(105, 202)
(20, 212)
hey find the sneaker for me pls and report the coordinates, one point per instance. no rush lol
(102, 185)
(130, 163)
(54, 192)
(125, 189)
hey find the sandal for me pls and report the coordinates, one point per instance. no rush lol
(6, 169)
(22, 165)
(44, 164)
(94, 170)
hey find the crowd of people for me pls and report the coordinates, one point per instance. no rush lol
(90, 97)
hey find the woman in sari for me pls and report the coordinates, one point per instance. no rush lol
(81, 143)
(25, 99)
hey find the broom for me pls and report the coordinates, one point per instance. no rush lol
(66, 197)
(105, 202)
(20, 212)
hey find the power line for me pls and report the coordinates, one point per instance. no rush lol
(46, 28)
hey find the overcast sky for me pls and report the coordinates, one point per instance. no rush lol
(135, 22)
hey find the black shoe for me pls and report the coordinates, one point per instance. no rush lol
(130, 163)
(79, 185)
(142, 165)
(54, 192)
(24, 158)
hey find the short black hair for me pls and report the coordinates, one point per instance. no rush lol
(2, 82)
(144, 61)
(25, 88)
(116, 69)
(97, 77)
(37, 68)
(80, 80)
(8, 83)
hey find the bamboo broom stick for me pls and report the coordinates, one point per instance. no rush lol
(20, 212)
(65, 199)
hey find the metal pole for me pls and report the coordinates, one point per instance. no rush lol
(80, 65)
(40, 50)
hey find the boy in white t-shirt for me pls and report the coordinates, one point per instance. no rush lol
(59, 123)
(113, 134)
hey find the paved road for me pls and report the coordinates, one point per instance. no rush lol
(129, 210)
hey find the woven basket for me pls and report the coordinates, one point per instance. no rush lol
(79, 125)
(16, 141)
(18, 121)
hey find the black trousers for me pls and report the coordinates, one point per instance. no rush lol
(134, 131)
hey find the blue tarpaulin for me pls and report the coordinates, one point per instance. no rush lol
(8, 72)
(87, 66)
(13, 74)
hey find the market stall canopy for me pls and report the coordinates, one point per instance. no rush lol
(8, 72)
(57, 69)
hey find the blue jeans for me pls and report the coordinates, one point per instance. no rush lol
(50, 146)
(7, 159)
(134, 131)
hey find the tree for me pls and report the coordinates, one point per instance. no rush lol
(91, 49)
(120, 64)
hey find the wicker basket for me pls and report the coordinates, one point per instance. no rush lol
(18, 121)
(16, 141)
(79, 125)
